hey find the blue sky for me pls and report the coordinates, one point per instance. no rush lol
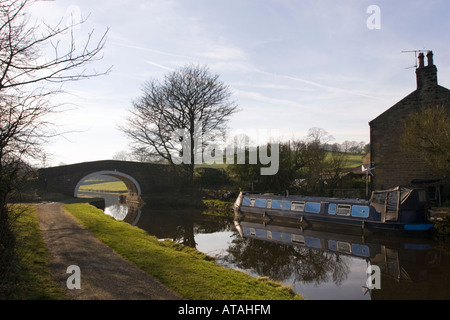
(291, 64)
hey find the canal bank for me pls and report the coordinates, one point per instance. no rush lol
(103, 274)
(189, 273)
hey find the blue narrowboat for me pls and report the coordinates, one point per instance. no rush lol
(400, 208)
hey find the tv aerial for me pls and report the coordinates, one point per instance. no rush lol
(416, 52)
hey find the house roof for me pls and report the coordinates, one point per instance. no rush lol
(428, 92)
(416, 100)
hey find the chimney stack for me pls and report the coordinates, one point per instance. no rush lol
(426, 76)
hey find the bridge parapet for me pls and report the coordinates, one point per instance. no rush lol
(140, 178)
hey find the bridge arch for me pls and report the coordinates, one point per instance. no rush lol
(131, 183)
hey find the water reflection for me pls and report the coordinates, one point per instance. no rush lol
(411, 268)
(318, 264)
(127, 212)
(185, 226)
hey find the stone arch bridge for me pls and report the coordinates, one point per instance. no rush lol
(140, 178)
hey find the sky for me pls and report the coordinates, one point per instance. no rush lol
(291, 65)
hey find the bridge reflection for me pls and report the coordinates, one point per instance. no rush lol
(128, 211)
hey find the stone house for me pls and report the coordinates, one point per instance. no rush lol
(392, 165)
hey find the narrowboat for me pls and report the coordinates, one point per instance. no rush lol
(400, 208)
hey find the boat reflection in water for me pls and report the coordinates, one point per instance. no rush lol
(410, 267)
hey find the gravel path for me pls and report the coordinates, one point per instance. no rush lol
(104, 275)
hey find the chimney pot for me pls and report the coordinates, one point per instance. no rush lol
(421, 58)
(430, 58)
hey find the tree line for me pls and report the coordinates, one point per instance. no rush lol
(311, 166)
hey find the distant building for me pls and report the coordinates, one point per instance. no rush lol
(393, 166)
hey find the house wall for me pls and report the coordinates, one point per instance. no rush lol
(394, 166)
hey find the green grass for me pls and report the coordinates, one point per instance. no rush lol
(190, 273)
(113, 187)
(31, 277)
(354, 160)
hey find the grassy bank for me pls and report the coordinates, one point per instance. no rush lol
(111, 187)
(30, 278)
(188, 272)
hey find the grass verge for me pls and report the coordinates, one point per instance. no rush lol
(31, 278)
(112, 187)
(190, 273)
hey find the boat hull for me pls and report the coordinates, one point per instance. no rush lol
(307, 220)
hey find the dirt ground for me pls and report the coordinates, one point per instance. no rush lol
(104, 275)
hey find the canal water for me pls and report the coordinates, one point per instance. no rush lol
(317, 264)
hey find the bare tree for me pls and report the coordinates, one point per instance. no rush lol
(121, 156)
(25, 96)
(140, 154)
(21, 47)
(190, 99)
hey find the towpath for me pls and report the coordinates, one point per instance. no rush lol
(104, 275)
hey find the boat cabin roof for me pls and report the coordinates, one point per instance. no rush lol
(303, 198)
(399, 197)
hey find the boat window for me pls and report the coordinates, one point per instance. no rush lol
(343, 209)
(281, 204)
(360, 211)
(422, 196)
(361, 250)
(392, 201)
(269, 234)
(252, 202)
(269, 203)
(312, 207)
(344, 247)
(260, 203)
(298, 206)
(246, 201)
(296, 238)
(332, 245)
(252, 232)
(379, 197)
(313, 242)
(332, 208)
